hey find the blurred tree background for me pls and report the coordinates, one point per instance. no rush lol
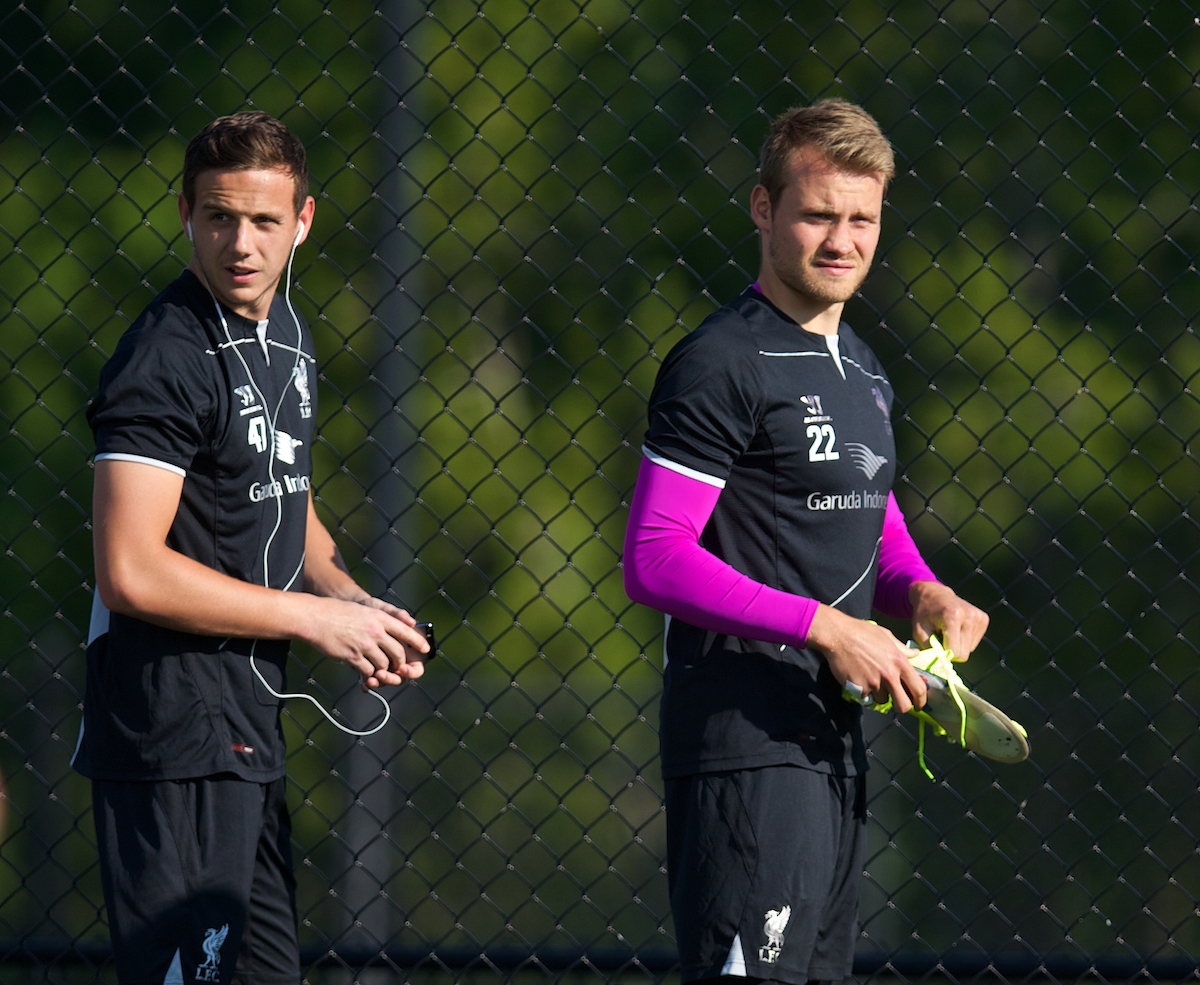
(521, 207)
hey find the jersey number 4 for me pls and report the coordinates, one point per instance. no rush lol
(822, 433)
(257, 435)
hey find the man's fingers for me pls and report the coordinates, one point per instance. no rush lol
(937, 609)
(411, 671)
(965, 632)
(394, 611)
(409, 637)
(901, 700)
(914, 684)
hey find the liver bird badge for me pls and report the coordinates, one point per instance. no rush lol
(773, 928)
(213, 939)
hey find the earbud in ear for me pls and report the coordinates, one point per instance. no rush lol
(188, 227)
(299, 234)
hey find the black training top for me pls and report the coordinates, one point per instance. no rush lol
(800, 440)
(229, 407)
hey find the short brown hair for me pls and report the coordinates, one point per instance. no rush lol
(847, 135)
(247, 141)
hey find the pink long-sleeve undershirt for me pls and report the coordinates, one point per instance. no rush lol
(667, 569)
(900, 564)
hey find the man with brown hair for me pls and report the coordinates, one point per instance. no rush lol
(763, 526)
(209, 560)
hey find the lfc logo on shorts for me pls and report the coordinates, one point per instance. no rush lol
(773, 928)
(213, 939)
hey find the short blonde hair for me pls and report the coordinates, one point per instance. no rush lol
(847, 135)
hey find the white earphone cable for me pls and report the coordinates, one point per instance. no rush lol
(271, 419)
(387, 708)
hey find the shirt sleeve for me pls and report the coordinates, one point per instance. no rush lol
(900, 564)
(706, 403)
(667, 569)
(156, 400)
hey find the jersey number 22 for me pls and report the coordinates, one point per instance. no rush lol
(819, 433)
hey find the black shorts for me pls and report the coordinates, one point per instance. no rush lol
(197, 878)
(764, 868)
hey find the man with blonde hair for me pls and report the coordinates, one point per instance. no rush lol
(764, 527)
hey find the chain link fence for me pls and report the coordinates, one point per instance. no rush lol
(522, 205)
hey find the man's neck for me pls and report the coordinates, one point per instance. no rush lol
(254, 313)
(812, 316)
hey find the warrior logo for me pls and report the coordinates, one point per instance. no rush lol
(246, 393)
(773, 928)
(867, 461)
(813, 412)
(213, 940)
(883, 407)
(300, 378)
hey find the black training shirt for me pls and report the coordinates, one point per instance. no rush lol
(229, 407)
(800, 440)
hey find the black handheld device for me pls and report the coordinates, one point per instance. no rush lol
(426, 630)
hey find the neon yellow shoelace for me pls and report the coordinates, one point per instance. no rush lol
(935, 659)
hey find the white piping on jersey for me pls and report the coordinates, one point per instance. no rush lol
(260, 331)
(271, 342)
(666, 463)
(735, 963)
(831, 343)
(859, 580)
(288, 348)
(838, 357)
(234, 343)
(120, 456)
(868, 373)
(666, 634)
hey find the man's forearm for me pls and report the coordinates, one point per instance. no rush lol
(138, 574)
(666, 568)
(325, 572)
(169, 589)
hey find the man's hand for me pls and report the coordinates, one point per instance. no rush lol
(375, 637)
(937, 609)
(380, 642)
(868, 655)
